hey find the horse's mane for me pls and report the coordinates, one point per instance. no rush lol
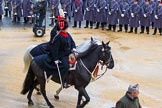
(88, 51)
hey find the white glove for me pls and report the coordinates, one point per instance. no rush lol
(109, 13)
(57, 62)
(98, 10)
(106, 7)
(76, 10)
(132, 14)
(144, 15)
(94, 5)
(122, 15)
(156, 17)
(87, 9)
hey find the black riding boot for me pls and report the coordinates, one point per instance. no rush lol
(131, 30)
(135, 30)
(87, 24)
(97, 25)
(75, 24)
(147, 30)
(155, 31)
(0, 17)
(142, 29)
(126, 27)
(120, 28)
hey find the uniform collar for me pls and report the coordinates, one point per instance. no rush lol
(64, 34)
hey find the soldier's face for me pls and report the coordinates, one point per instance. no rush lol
(135, 94)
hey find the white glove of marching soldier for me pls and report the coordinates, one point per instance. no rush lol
(122, 15)
(106, 7)
(109, 13)
(87, 9)
(156, 17)
(94, 5)
(76, 10)
(98, 10)
(144, 15)
(132, 14)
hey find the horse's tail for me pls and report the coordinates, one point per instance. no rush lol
(27, 58)
(28, 82)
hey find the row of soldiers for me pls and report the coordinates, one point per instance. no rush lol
(133, 13)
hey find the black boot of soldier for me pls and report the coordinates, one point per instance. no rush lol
(87, 24)
(135, 30)
(97, 25)
(52, 22)
(155, 30)
(25, 20)
(0, 17)
(14, 19)
(147, 30)
(142, 30)
(91, 24)
(80, 24)
(120, 28)
(6, 13)
(109, 27)
(10, 14)
(126, 27)
(18, 19)
(75, 24)
(114, 28)
(102, 26)
(131, 30)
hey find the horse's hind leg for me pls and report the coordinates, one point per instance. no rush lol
(43, 91)
(84, 93)
(30, 102)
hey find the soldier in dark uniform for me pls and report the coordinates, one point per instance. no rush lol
(78, 13)
(26, 6)
(146, 16)
(1, 11)
(40, 10)
(112, 15)
(153, 6)
(100, 13)
(54, 4)
(123, 15)
(7, 7)
(130, 100)
(17, 12)
(89, 15)
(68, 10)
(134, 16)
(158, 19)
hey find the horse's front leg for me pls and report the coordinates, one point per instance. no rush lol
(82, 92)
(57, 93)
(43, 91)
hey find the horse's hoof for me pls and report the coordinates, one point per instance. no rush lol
(52, 106)
(30, 103)
(56, 97)
(78, 106)
(38, 93)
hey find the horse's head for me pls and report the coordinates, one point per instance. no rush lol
(106, 56)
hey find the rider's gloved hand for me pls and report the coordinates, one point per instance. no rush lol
(57, 61)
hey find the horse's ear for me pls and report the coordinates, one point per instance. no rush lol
(103, 44)
(91, 39)
(107, 43)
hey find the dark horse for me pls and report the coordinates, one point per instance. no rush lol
(80, 77)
